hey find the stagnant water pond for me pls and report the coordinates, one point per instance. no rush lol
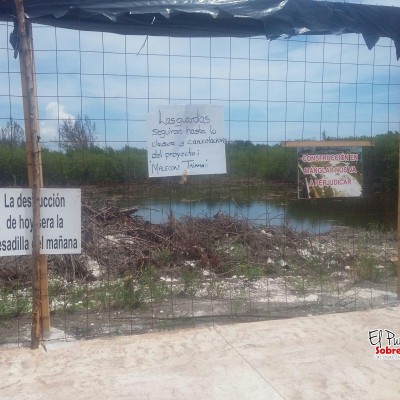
(312, 215)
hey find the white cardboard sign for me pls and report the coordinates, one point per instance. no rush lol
(60, 221)
(186, 140)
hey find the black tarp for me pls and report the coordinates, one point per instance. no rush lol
(200, 18)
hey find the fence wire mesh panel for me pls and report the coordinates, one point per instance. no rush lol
(161, 253)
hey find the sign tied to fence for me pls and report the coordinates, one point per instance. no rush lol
(60, 221)
(186, 140)
(330, 172)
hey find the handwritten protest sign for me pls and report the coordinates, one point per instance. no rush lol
(186, 140)
(330, 172)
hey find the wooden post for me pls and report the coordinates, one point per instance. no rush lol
(398, 228)
(40, 300)
(328, 143)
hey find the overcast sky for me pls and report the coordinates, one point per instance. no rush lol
(271, 91)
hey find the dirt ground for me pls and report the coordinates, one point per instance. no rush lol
(199, 271)
(319, 357)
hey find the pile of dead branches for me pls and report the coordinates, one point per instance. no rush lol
(115, 242)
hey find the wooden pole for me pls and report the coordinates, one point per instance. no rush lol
(40, 301)
(398, 228)
(328, 143)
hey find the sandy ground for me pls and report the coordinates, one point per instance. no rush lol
(322, 357)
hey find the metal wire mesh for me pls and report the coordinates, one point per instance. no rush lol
(216, 248)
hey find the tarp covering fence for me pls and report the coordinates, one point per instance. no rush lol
(197, 18)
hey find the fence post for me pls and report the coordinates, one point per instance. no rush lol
(40, 299)
(398, 228)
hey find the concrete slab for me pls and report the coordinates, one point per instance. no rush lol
(323, 357)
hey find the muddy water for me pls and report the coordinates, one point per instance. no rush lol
(311, 215)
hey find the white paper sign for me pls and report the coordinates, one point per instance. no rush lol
(186, 140)
(60, 221)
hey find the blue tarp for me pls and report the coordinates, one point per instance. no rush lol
(200, 18)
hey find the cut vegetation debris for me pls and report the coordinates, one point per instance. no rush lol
(133, 276)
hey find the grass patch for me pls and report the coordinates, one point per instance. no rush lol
(14, 303)
(115, 293)
(191, 279)
(249, 271)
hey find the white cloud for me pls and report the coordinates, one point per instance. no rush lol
(288, 88)
(54, 114)
(57, 111)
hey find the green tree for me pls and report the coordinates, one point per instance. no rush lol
(12, 134)
(13, 169)
(261, 161)
(381, 163)
(79, 134)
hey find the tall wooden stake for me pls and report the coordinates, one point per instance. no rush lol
(398, 230)
(40, 300)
